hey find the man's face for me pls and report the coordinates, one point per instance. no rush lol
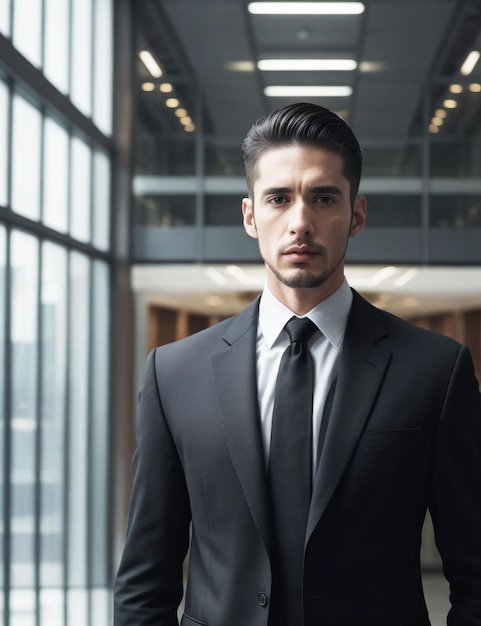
(302, 216)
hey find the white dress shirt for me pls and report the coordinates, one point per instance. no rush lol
(330, 316)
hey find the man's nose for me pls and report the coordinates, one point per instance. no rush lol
(300, 218)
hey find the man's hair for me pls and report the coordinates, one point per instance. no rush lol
(303, 124)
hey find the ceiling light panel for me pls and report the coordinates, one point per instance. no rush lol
(305, 8)
(292, 91)
(150, 63)
(300, 65)
(470, 62)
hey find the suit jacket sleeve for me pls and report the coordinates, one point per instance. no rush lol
(456, 495)
(148, 587)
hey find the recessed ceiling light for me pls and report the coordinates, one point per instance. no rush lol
(150, 63)
(470, 62)
(433, 129)
(172, 103)
(450, 104)
(305, 8)
(372, 66)
(276, 91)
(301, 65)
(181, 112)
(456, 88)
(441, 113)
(437, 121)
(189, 128)
(475, 87)
(241, 66)
(166, 88)
(148, 86)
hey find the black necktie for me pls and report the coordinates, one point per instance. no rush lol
(290, 471)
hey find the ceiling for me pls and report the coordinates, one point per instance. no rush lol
(405, 50)
(402, 48)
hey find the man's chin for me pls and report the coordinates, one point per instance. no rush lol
(300, 279)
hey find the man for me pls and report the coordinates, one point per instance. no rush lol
(395, 429)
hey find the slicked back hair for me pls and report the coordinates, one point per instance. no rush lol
(303, 124)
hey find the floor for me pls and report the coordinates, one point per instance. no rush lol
(437, 598)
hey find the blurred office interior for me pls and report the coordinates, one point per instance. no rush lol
(120, 228)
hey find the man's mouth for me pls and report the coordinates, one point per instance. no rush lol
(300, 254)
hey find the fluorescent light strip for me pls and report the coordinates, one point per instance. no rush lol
(150, 63)
(279, 91)
(216, 276)
(301, 65)
(305, 8)
(470, 62)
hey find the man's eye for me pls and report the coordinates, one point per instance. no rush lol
(324, 200)
(277, 200)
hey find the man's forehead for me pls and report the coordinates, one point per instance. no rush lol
(281, 162)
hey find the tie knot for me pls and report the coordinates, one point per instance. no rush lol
(300, 329)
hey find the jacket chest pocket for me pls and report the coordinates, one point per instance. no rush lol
(389, 438)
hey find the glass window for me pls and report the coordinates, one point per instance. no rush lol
(455, 211)
(55, 176)
(80, 170)
(455, 131)
(223, 210)
(24, 306)
(56, 42)
(456, 156)
(79, 287)
(3, 143)
(393, 211)
(81, 87)
(159, 153)
(5, 17)
(165, 210)
(223, 159)
(397, 159)
(27, 123)
(27, 23)
(52, 430)
(103, 73)
(2, 398)
(101, 201)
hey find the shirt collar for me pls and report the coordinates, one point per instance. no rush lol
(330, 315)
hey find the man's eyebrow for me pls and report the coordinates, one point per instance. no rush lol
(332, 189)
(276, 190)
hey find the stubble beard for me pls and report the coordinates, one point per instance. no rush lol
(305, 279)
(302, 280)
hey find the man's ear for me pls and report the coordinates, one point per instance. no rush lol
(248, 217)
(358, 217)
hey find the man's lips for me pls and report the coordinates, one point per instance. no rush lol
(300, 254)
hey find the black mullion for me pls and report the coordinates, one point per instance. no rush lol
(36, 228)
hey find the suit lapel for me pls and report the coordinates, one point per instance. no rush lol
(233, 372)
(363, 363)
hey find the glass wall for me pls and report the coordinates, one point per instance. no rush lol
(55, 274)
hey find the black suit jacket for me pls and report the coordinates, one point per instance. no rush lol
(404, 434)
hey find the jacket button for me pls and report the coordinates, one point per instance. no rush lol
(262, 599)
